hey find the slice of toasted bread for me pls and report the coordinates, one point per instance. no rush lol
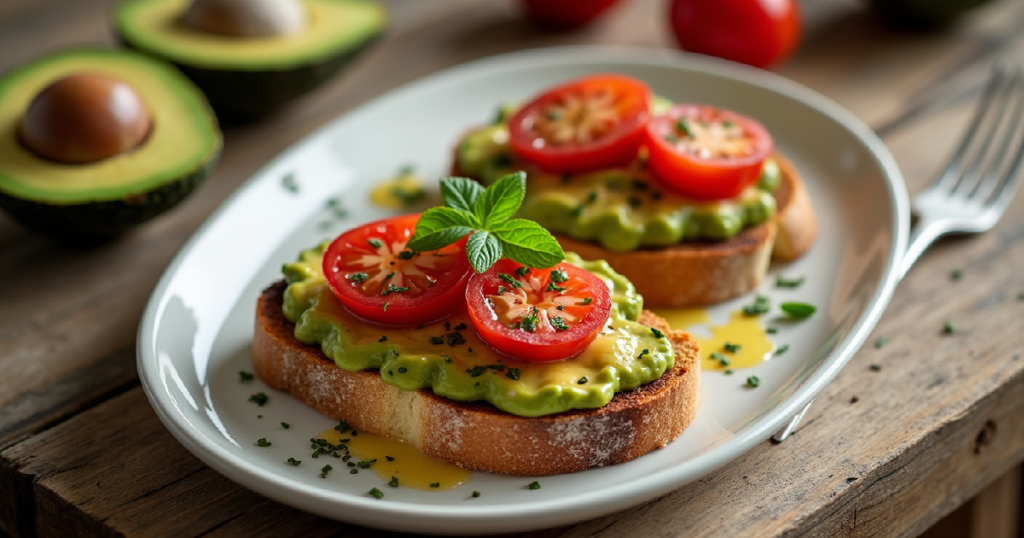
(476, 435)
(694, 273)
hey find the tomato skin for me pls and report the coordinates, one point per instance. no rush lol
(760, 33)
(618, 145)
(545, 343)
(705, 178)
(421, 305)
(565, 14)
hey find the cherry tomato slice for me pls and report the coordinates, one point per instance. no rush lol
(589, 123)
(706, 153)
(375, 277)
(755, 32)
(539, 314)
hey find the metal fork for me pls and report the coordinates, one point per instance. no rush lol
(972, 193)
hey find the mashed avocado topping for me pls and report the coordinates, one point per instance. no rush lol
(448, 357)
(623, 208)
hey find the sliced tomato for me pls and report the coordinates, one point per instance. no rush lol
(589, 123)
(538, 314)
(705, 152)
(375, 277)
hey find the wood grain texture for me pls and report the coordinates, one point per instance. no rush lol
(882, 453)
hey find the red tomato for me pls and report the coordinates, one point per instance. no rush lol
(705, 152)
(589, 123)
(755, 32)
(565, 14)
(536, 317)
(373, 275)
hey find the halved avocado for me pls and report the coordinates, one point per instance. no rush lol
(102, 199)
(246, 78)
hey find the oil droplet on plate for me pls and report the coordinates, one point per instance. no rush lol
(412, 468)
(745, 331)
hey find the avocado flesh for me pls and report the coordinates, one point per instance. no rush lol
(248, 78)
(107, 197)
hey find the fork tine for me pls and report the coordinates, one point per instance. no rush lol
(979, 158)
(1000, 168)
(951, 175)
(1012, 180)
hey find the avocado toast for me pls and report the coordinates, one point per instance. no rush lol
(704, 235)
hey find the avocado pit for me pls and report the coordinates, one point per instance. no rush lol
(247, 18)
(83, 118)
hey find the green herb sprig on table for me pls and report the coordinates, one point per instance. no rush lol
(487, 215)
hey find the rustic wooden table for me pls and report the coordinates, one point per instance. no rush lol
(882, 452)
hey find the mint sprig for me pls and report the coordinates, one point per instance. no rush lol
(487, 215)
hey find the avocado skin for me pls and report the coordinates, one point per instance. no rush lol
(239, 97)
(95, 222)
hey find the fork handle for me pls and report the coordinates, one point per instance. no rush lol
(921, 237)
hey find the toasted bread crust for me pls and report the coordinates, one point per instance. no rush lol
(476, 435)
(797, 225)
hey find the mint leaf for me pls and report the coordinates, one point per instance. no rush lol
(441, 226)
(460, 193)
(483, 249)
(501, 200)
(528, 243)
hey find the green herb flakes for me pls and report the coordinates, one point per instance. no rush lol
(259, 398)
(376, 493)
(513, 374)
(875, 367)
(389, 458)
(798, 310)
(245, 376)
(383, 338)
(435, 484)
(657, 333)
(447, 359)
(956, 274)
(761, 305)
(521, 272)
(326, 469)
(285, 425)
(529, 322)
(294, 461)
(358, 277)
(375, 243)
(783, 282)
(582, 381)
(406, 255)
(753, 381)
(881, 341)
(476, 494)
(534, 485)
(554, 287)
(771, 330)
(559, 323)
(510, 280)
(394, 482)
(262, 441)
(585, 301)
(395, 289)
(559, 276)
(402, 369)
(948, 327)
(643, 353)
(781, 349)
(732, 348)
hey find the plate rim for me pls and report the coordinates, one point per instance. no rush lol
(593, 504)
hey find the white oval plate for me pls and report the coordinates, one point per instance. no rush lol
(197, 328)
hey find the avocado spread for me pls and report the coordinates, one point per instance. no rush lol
(623, 208)
(448, 357)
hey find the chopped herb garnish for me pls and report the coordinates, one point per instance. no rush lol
(554, 287)
(657, 333)
(391, 274)
(585, 302)
(476, 493)
(455, 339)
(363, 465)
(436, 340)
(245, 376)
(761, 306)
(771, 330)
(634, 201)
(342, 427)
(391, 372)
(406, 255)
(582, 381)
(402, 369)
(798, 310)
(326, 469)
(447, 359)
(260, 399)
(507, 278)
(385, 306)
(671, 138)
(560, 307)
(375, 243)
(1020, 296)
(289, 183)
(683, 126)
(435, 484)
(559, 275)
(592, 197)
(376, 493)
(640, 184)
(294, 461)
(395, 289)
(383, 338)
(782, 349)
(578, 210)
(881, 341)
(732, 348)
(479, 369)
(502, 289)
(753, 381)
(521, 272)
(783, 282)
(875, 367)
(948, 327)
(358, 277)
(558, 323)
(956, 274)
(353, 471)
(394, 482)
(644, 352)
(529, 322)
(513, 374)
(460, 327)
(285, 425)
(534, 485)
(389, 458)
(262, 441)
(729, 371)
